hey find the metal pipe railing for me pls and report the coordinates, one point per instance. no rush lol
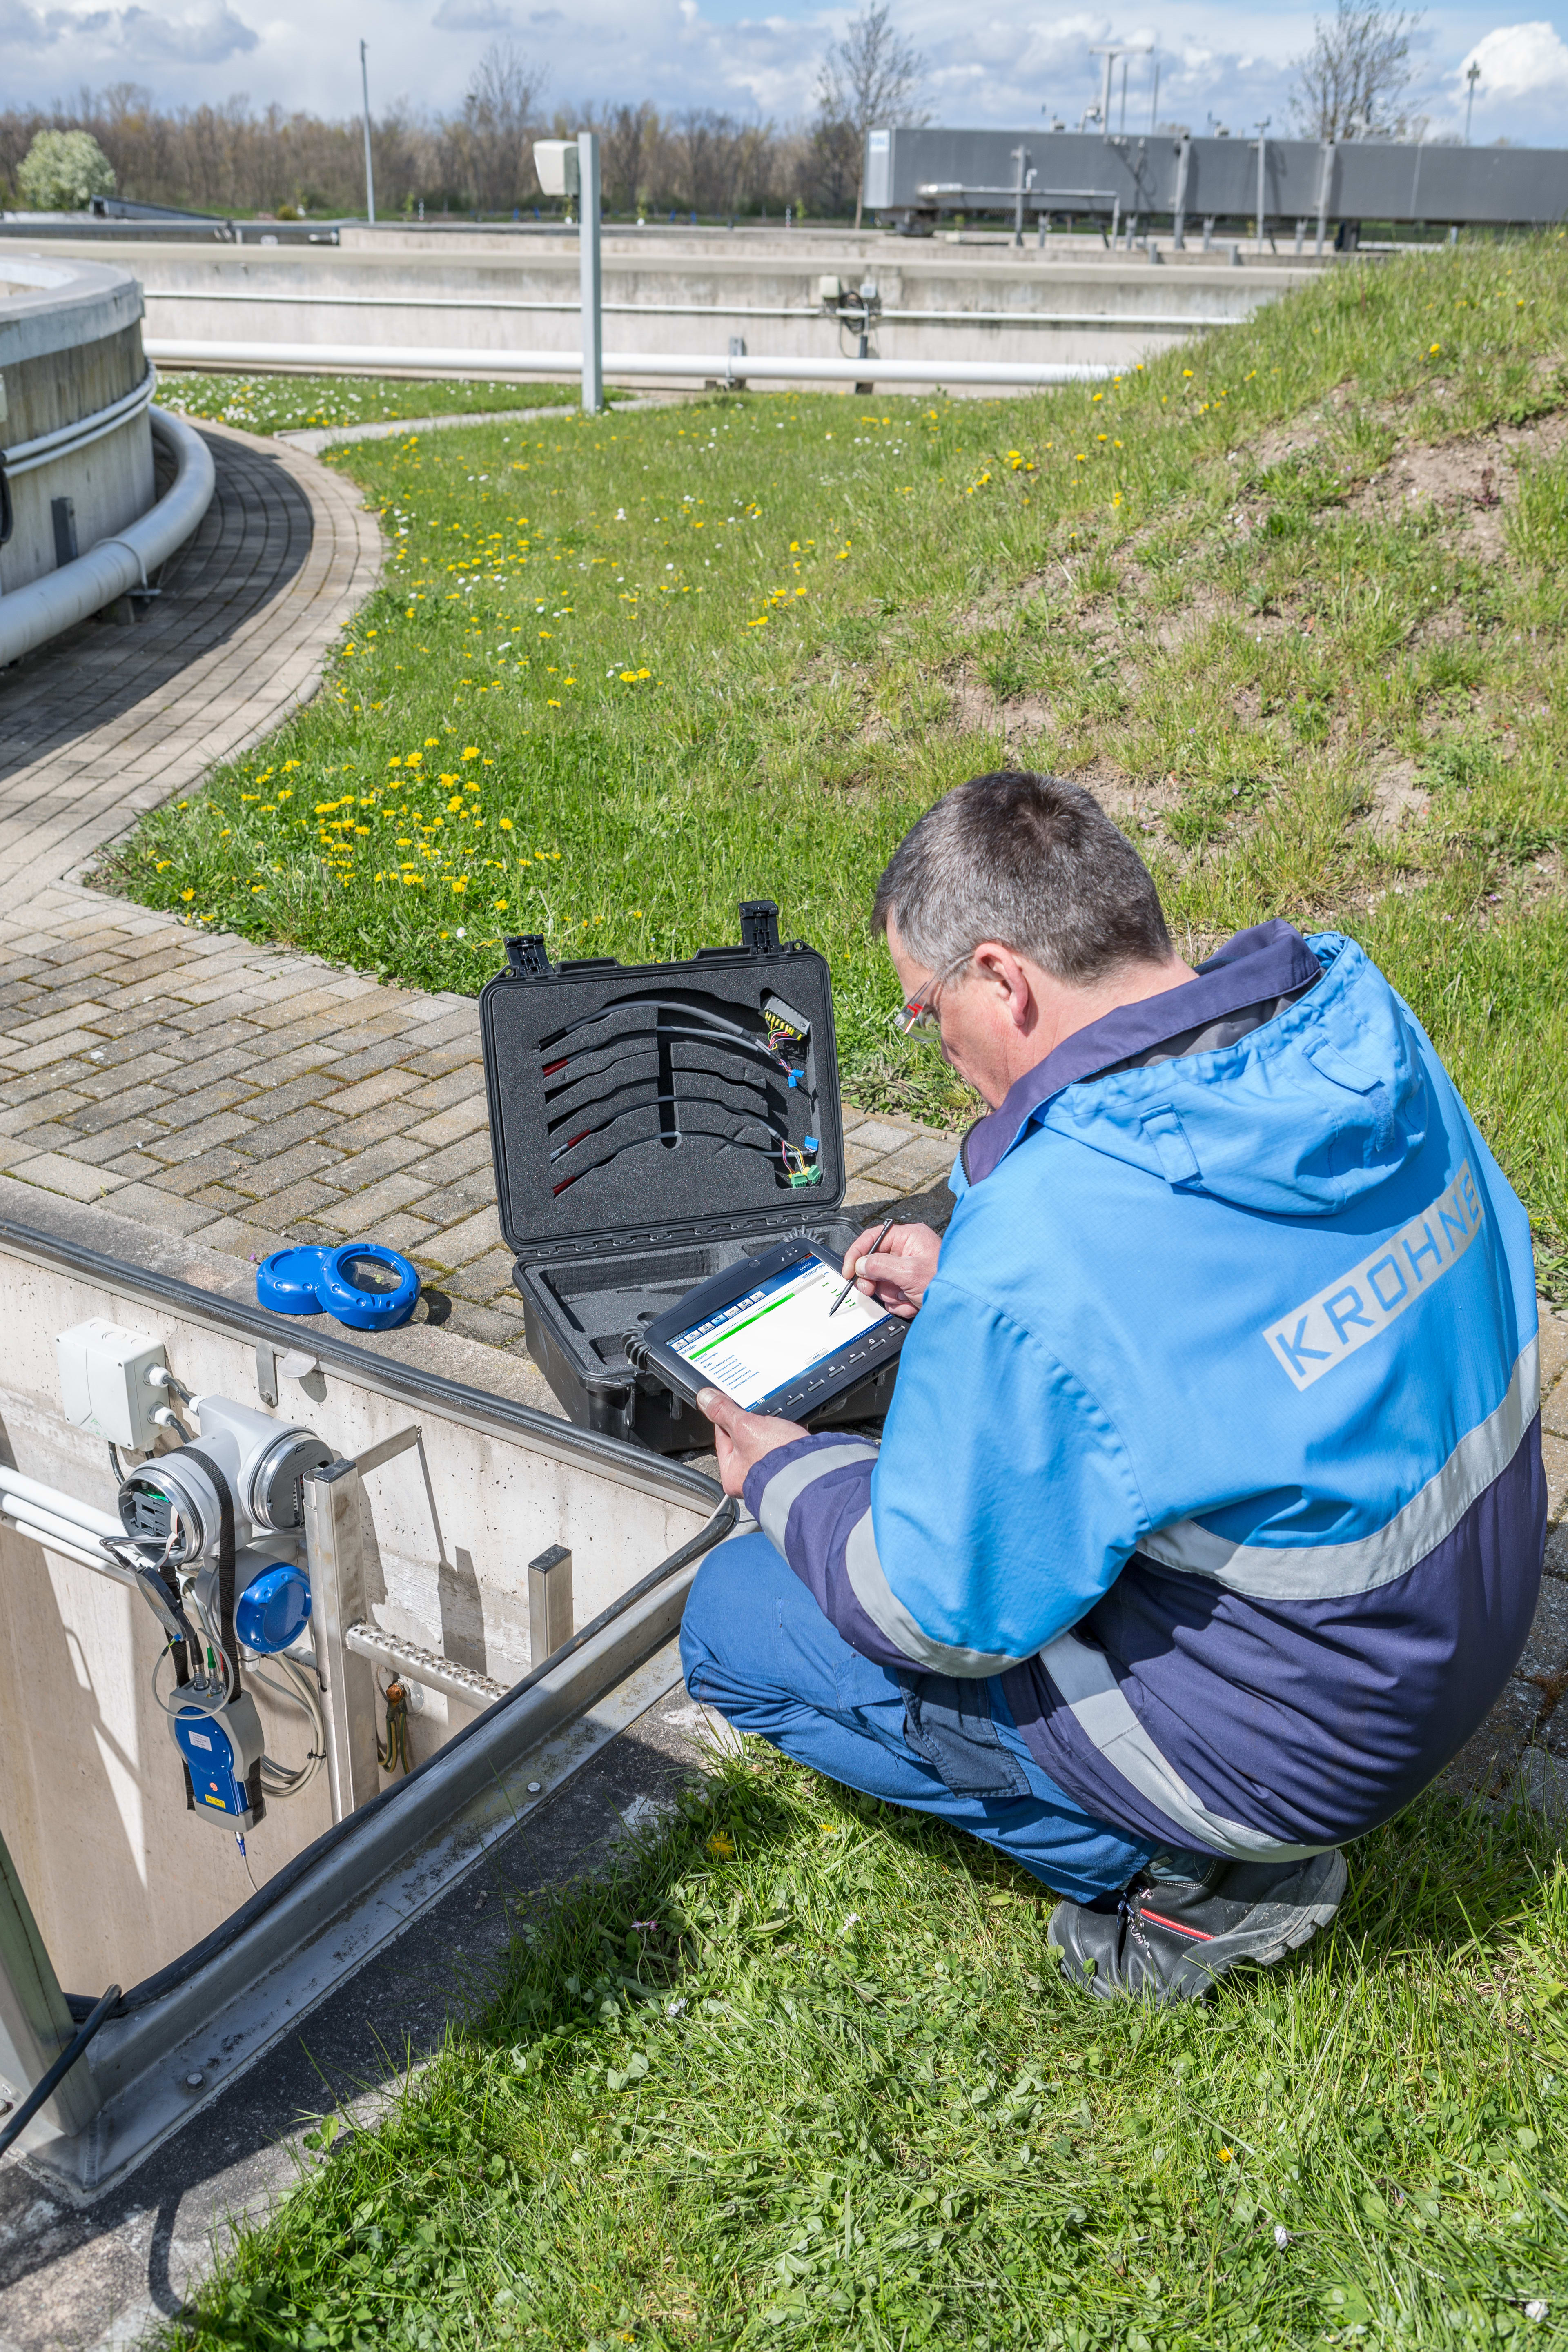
(30, 616)
(685, 366)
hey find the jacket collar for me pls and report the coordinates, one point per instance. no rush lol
(1268, 960)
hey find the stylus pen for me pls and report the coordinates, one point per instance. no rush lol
(854, 1278)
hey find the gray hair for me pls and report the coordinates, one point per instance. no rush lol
(1028, 860)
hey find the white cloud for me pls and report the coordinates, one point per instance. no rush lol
(109, 38)
(1525, 63)
(472, 16)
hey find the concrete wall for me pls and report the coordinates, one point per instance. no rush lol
(70, 344)
(91, 1798)
(668, 292)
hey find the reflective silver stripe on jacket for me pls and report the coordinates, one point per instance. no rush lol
(1084, 1678)
(870, 1584)
(786, 1488)
(1336, 1571)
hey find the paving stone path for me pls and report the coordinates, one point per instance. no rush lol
(240, 1097)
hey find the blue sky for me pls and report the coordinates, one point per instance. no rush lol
(1000, 66)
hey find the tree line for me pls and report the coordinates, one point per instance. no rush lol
(478, 161)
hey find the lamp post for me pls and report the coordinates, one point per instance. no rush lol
(369, 168)
(590, 277)
(1262, 162)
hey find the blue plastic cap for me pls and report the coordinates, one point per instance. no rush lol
(287, 1281)
(274, 1609)
(355, 1303)
(322, 1281)
(809, 1143)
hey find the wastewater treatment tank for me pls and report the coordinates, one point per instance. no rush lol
(228, 1541)
(76, 388)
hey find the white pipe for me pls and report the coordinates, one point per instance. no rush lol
(447, 359)
(29, 616)
(497, 305)
(48, 1533)
(82, 1516)
(66, 438)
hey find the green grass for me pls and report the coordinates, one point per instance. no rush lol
(623, 672)
(287, 404)
(805, 2074)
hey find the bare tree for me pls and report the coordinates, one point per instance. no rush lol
(872, 78)
(1351, 81)
(630, 135)
(493, 136)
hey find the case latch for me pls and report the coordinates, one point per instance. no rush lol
(759, 926)
(526, 957)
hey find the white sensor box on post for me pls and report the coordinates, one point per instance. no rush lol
(104, 1387)
(555, 166)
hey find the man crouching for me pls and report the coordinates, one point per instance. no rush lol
(1208, 1519)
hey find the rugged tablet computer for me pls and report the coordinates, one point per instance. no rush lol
(762, 1332)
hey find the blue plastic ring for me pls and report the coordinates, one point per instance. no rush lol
(287, 1281)
(366, 1311)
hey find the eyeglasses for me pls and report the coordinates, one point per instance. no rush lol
(921, 1017)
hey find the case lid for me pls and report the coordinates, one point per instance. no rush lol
(633, 1105)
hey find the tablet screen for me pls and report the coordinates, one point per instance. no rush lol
(777, 1332)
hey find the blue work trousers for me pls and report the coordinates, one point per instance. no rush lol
(756, 1646)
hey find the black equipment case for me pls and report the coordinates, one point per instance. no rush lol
(663, 1156)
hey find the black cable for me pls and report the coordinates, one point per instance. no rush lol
(50, 2081)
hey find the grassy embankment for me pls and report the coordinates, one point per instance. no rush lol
(805, 2074)
(624, 673)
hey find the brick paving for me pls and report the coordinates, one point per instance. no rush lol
(242, 1096)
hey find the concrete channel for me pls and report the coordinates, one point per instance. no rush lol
(427, 301)
(412, 1508)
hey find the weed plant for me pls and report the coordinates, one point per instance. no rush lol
(623, 673)
(805, 2074)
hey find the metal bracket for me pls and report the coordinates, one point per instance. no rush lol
(335, 1555)
(548, 1603)
(422, 1665)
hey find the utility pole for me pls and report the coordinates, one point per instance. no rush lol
(590, 277)
(1111, 51)
(1154, 103)
(369, 167)
(1262, 162)
(1472, 75)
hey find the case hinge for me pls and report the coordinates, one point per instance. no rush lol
(759, 926)
(526, 957)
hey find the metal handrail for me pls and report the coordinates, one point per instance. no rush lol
(30, 616)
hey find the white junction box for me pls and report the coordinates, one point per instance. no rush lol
(104, 1384)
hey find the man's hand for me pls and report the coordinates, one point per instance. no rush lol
(741, 1438)
(897, 1275)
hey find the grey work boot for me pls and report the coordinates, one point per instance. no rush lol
(1169, 1940)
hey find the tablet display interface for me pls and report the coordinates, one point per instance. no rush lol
(777, 1332)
